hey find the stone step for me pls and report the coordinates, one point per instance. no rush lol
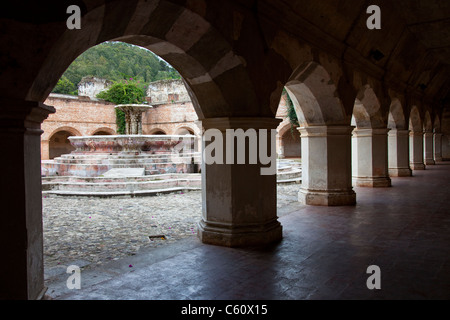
(125, 194)
(120, 186)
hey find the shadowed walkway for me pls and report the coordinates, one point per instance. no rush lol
(324, 254)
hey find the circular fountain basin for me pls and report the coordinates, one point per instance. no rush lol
(129, 143)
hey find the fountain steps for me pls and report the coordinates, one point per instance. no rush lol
(76, 186)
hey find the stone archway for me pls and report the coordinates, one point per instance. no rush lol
(428, 148)
(59, 144)
(370, 140)
(398, 141)
(416, 139)
(325, 137)
(103, 132)
(157, 131)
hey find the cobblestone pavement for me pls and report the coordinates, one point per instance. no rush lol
(92, 231)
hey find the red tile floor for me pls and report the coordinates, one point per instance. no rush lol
(324, 254)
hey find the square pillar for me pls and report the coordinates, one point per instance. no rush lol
(437, 146)
(326, 166)
(398, 153)
(370, 158)
(416, 150)
(428, 148)
(22, 267)
(239, 203)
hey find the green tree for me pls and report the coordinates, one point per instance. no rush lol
(65, 86)
(117, 61)
(123, 92)
(291, 114)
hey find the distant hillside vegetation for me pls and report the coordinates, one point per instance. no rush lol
(115, 61)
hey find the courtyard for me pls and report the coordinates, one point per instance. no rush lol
(90, 232)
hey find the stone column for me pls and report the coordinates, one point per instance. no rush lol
(239, 203)
(437, 146)
(21, 235)
(428, 148)
(326, 166)
(416, 150)
(398, 153)
(370, 159)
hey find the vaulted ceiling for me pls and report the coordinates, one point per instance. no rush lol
(412, 48)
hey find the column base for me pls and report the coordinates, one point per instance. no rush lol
(417, 166)
(372, 182)
(221, 234)
(438, 159)
(429, 162)
(400, 172)
(327, 198)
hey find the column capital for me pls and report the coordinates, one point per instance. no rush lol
(244, 123)
(322, 131)
(20, 114)
(367, 132)
(398, 132)
(416, 134)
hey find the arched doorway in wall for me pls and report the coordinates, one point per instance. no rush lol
(103, 132)
(157, 132)
(59, 143)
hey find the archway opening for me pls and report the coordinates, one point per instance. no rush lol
(59, 144)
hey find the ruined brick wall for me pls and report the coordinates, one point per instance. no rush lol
(171, 114)
(79, 116)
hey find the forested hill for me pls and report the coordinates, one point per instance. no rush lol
(115, 61)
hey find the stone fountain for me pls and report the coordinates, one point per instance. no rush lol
(133, 164)
(94, 156)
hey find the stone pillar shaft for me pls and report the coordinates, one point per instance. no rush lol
(370, 159)
(438, 146)
(428, 148)
(239, 204)
(398, 153)
(21, 235)
(326, 166)
(416, 150)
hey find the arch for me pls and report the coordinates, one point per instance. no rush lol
(427, 123)
(396, 118)
(104, 131)
(315, 98)
(415, 121)
(157, 131)
(71, 130)
(183, 38)
(437, 124)
(183, 130)
(59, 144)
(367, 109)
(283, 127)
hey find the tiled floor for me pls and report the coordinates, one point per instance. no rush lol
(325, 252)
